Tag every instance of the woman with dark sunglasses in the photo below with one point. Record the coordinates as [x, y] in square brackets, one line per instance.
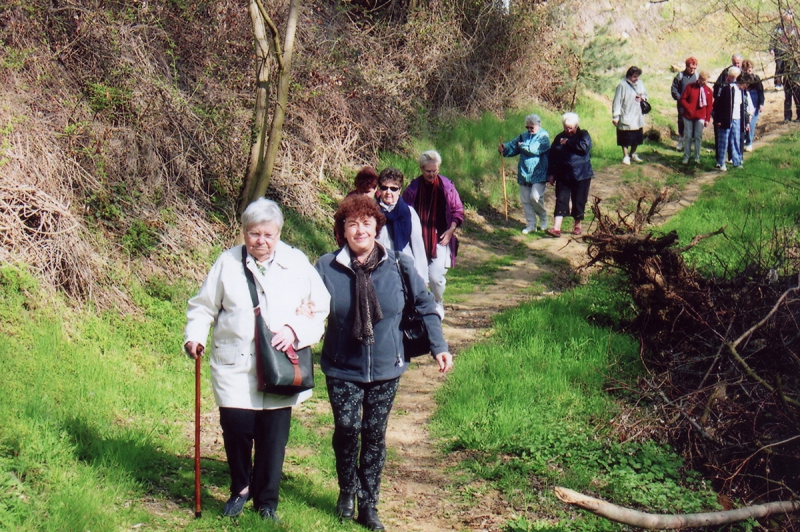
[403, 230]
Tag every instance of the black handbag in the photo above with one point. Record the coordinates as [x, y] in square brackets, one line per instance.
[279, 372]
[646, 107]
[415, 333]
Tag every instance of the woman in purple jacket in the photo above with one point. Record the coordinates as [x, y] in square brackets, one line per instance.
[440, 210]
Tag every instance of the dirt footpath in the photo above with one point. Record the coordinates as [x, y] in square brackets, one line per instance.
[415, 493]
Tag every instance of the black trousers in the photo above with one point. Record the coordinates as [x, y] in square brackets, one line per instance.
[269, 430]
[791, 91]
[568, 189]
[361, 409]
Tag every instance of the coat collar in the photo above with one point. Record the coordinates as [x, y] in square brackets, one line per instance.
[281, 258]
[345, 258]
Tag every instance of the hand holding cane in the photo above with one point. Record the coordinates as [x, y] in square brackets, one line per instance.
[503, 176]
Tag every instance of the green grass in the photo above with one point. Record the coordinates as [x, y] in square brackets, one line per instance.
[759, 207]
[82, 411]
[96, 409]
[532, 408]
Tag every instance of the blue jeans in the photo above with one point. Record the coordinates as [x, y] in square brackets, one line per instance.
[751, 135]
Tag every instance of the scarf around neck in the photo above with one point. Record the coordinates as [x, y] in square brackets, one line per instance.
[367, 306]
[431, 205]
[398, 223]
[701, 100]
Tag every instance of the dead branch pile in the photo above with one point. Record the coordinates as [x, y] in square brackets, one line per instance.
[723, 353]
[36, 229]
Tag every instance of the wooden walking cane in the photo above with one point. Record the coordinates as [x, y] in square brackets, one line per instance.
[197, 507]
[503, 175]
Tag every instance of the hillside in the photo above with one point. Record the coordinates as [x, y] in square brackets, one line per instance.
[125, 130]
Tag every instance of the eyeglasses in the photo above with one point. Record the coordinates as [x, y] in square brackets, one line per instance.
[259, 236]
[384, 188]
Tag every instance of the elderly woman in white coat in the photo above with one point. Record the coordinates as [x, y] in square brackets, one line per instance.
[626, 114]
[294, 303]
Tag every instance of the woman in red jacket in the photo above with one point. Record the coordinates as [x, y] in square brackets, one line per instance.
[695, 104]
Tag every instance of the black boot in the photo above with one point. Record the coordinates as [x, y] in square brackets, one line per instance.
[368, 517]
[346, 504]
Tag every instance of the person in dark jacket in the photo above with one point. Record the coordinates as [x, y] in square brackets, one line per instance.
[731, 116]
[679, 84]
[736, 62]
[570, 169]
[755, 89]
[781, 45]
[362, 354]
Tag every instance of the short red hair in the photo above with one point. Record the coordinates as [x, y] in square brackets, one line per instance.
[691, 61]
[357, 207]
[366, 180]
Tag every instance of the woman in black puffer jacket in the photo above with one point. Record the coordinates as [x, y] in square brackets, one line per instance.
[570, 169]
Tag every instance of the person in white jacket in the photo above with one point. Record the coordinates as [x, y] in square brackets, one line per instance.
[403, 229]
[626, 114]
[294, 303]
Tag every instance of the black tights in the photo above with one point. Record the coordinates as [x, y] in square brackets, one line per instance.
[361, 473]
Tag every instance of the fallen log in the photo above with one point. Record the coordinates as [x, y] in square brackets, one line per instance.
[665, 522]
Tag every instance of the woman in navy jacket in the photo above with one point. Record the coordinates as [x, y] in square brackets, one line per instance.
[362, 355]
[570, 169]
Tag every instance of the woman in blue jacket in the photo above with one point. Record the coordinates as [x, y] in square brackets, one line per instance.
[362, 355]
[531, 147]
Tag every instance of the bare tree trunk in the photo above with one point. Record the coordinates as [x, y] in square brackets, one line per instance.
[661, 522]
[263, 166]
[260, 114]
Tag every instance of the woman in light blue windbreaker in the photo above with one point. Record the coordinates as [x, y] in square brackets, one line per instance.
[531, 147]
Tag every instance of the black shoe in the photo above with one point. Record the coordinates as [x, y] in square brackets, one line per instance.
[346, 504]
[268, 514]
[235, 505]
[368, 518]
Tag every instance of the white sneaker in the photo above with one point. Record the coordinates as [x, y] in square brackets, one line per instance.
[626, 160]
[528, 229]
[749, 147]
[685, 160]
[679, 147]
[635, 158]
